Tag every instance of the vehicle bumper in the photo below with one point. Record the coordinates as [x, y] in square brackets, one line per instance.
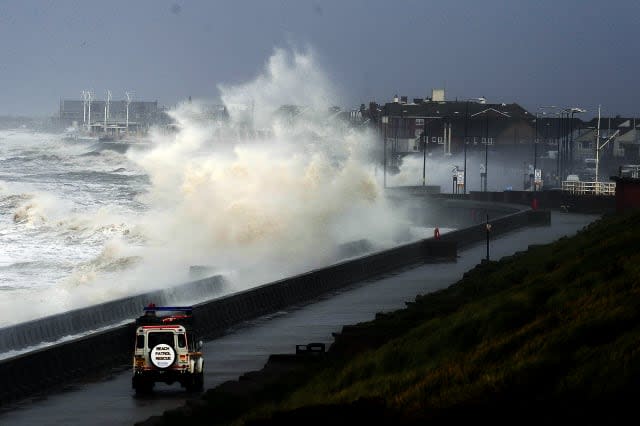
[167, 376]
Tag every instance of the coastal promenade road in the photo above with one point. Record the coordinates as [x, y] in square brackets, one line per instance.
[111, 401]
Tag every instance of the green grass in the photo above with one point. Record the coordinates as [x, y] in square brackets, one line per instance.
[554, 330]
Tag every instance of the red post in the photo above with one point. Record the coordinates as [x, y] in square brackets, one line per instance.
[534, 204]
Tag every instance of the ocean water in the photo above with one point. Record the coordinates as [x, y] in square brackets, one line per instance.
[61, 203]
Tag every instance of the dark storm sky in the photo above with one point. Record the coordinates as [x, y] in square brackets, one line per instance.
[562, 52]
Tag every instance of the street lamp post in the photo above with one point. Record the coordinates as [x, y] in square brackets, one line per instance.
[486, 154]
[570, 142]
[425, 136]
[598, 146]
[559, 135]
[466, 135]
[535, 155]
[394, 150]
[424, 155]
[565, 155]
[573, 111]
[385, 122]
[466, 122]
[394, 145]
[563, 148]
[488, 232]
[485, 170]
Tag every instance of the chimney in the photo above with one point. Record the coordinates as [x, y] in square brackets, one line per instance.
[395, 99]
[437, 95]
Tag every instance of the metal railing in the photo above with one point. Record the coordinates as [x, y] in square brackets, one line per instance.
[597, 188]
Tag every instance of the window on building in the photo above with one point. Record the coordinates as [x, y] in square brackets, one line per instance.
[419, 121]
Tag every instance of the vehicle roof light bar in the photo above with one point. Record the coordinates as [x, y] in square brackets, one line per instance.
[168, 308]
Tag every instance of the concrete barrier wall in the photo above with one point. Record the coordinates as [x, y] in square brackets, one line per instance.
[438, 210]
[501, 225]
[587, 203]
[36, 371]
[78, 321]
[465, 213]
[55, 365]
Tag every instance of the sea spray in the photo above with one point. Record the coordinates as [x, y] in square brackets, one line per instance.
[265, 206]
[270, 191]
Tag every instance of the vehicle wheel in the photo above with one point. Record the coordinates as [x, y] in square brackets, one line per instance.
[199, 381]
[196, 383]
[142, 386]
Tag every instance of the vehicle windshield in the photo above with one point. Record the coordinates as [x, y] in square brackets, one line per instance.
[159, 337]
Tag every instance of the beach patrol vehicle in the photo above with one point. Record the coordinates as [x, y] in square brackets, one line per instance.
[166, 349]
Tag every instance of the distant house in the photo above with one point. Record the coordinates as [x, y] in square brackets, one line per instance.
[444, 127]
[626, 145]
[624, 135]
[619, 145]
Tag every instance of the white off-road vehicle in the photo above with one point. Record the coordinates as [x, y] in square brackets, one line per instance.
[166, 350]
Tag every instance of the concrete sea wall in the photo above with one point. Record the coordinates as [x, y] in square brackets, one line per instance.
[78, 321]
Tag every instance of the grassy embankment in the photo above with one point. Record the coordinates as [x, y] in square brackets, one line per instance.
[551, 335]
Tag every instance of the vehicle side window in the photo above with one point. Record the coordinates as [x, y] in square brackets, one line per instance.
[182, 341]
[140, 341]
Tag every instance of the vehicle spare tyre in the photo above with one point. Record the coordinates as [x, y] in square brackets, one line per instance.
[162, 355]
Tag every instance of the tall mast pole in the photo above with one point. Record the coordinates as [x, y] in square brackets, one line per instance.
[84, 107]
[89, 98]
[128, 102]
[598, 145]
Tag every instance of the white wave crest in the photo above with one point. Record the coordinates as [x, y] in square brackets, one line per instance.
[278, 203]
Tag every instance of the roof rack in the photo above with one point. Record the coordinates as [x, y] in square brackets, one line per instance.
[182, 315]
[154, 308]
